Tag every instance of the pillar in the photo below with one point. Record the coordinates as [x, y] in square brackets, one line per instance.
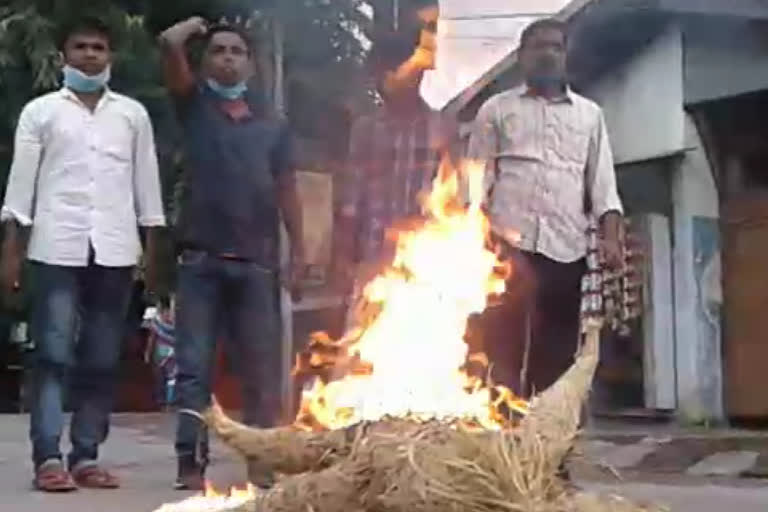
[698, 287]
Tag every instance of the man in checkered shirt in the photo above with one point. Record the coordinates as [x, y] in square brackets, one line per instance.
[393, 154]
[549, 173]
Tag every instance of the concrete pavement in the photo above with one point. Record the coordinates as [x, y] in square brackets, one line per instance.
[140, 450]
[694, 498]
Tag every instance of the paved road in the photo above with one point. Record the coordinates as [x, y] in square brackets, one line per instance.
[695, 498]
[140, 451]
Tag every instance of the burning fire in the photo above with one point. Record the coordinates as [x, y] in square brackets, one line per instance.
[406, 358]
[212, 500]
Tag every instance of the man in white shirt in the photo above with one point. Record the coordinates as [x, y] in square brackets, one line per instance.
[84, 178]
[550, 171]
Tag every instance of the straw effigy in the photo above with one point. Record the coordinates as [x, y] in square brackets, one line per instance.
[404, 466]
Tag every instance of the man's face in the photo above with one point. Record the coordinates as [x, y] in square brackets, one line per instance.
[428, 13]
[227, 59]
[543, 58]
[88, 51]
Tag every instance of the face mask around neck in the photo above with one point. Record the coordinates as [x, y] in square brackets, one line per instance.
[78, 81]
[233, 92]
[544, 82]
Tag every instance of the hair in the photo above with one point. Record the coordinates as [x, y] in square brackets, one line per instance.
[84, 25]
[232, 29]
[389, 50]
[543, 24]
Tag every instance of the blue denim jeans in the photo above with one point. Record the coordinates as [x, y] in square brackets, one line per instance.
[237, 300]
[78, 325]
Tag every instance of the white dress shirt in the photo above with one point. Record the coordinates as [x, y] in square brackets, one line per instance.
[545, 156]
[83, 178]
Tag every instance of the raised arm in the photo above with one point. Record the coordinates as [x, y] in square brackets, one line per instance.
[179, 77]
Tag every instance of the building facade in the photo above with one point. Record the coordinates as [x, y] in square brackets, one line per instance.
[684, 88]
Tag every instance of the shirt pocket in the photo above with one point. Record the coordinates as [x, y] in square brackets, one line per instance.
[115, 146]
[571, 140]
[117, 153]
[518, 137]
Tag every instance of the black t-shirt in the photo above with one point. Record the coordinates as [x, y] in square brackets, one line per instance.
[230, 199]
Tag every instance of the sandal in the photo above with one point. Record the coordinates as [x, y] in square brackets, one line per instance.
[92, 476]
[52, 477]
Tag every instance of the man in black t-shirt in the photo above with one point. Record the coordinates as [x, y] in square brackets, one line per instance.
[239, 179]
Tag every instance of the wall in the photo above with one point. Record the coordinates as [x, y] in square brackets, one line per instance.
[643, 99]
[724, 57]
[645, 186]
[643, 103]
[698, 289]
[473, 36]
[658, 313]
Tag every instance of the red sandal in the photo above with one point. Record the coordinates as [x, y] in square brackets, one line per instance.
[52, 477]
[92, 476]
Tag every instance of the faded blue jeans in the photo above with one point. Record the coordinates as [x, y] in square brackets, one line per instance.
[78, 325]
[235, 299]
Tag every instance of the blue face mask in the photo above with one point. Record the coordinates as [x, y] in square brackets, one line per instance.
[232, 92]
[78, 81]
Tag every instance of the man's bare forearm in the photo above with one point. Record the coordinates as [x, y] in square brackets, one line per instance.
[408, 74]
[151, 236]
[610, 225]
[15, 239]
[151, 263]
[179, 77]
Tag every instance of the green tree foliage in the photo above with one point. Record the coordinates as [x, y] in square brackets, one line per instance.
[323, 57]
[323, 54]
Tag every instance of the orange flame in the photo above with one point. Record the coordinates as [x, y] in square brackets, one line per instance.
[407, 358]
[213, 501]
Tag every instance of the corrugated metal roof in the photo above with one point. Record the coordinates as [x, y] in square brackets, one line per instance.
[476, 35]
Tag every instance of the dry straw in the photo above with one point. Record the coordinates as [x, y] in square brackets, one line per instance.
[401, 466]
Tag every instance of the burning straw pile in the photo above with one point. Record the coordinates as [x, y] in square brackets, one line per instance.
[392, 421]
[406, 466]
